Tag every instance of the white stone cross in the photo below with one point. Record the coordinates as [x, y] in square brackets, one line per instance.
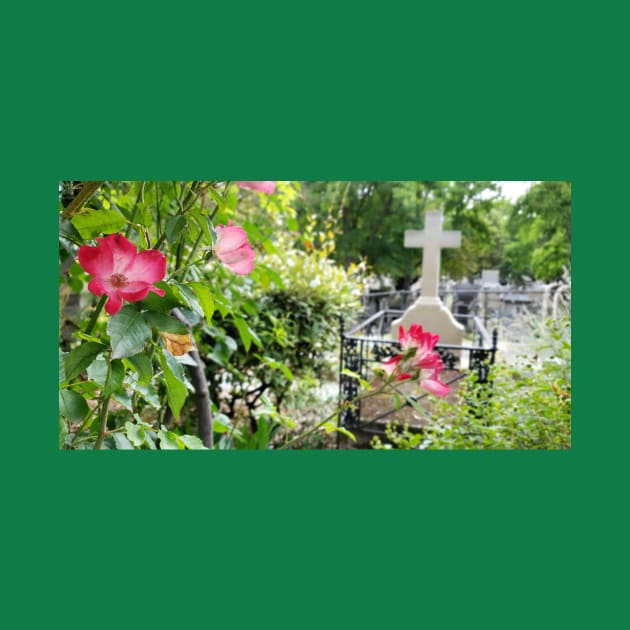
[432, 240]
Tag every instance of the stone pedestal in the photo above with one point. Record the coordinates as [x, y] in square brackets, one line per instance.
[433, 316]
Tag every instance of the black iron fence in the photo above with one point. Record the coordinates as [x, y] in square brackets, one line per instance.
[367, 345]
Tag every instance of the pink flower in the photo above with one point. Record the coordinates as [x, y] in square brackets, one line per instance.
[233, 249]
[417, 338]
[263, 187]
[120, 272]
[417, 360]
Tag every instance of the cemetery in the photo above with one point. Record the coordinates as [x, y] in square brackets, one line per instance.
[313, 315]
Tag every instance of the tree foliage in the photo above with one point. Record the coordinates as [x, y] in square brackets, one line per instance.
[540, 227]
[368, 220]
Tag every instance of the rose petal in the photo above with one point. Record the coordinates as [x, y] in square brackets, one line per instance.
[123, 250]
[433, 385]
[98, 261]
[241, 264]
[391, 364]
[263, 187]
[134, 295]
[114, 303]
[148, 266]
[229, 237]
[429, 361]
[97, 286]
[233, 249]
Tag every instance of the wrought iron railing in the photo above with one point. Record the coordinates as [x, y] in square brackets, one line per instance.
[367, 345]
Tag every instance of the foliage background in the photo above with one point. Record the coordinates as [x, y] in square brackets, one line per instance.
[447, 539]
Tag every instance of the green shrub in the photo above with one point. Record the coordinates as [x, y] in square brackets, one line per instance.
[526, 406]
[293, 312]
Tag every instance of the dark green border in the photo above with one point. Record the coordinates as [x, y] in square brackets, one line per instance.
[364, 539]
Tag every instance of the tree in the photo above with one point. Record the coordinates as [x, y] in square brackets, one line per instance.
[540, 225]
[368, 220]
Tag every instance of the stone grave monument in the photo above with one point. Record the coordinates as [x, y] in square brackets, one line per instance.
[429, 311]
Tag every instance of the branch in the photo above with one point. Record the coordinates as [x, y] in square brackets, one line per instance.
[202, 392]
[87, 190]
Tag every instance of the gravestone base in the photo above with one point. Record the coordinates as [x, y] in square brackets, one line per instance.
[434, 317]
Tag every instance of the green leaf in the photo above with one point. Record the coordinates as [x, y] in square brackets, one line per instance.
[364, 384]
[176, 391]
[221, 423]
[187, 295]
[278, 366]
[329, 427]
[128, 332]
[122, 443]
[265, 275]
[97, 371]
[174, 228]
[154, 302]
[148, 392]
[204, 295]
[165, 323]
[270, 248]
[115, 378]
[192, 442]
[169, 441]
[205, 225]
[96, 222]
[220, 353]
[143, 366]
[176, 367]
[63, 432]
[144, 216]
[123, 397]
[223, 306]
[62, 366]
[398, 403]
[250, 306]
[135, 433]
[421, 410]
[217, 197]
[252, 231]
[80, 358]
[243, 331]
[72, 405]
[263, 434]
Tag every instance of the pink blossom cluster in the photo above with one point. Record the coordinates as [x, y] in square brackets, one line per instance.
[417, 360]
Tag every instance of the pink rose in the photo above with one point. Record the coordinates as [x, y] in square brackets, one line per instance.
[233, 249]
[418, 360]
[120, 272]
[263, 187]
